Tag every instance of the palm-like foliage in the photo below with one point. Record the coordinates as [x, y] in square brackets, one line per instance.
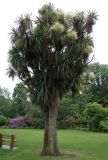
[50, 53]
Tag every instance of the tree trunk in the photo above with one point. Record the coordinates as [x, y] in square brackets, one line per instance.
[50, 147]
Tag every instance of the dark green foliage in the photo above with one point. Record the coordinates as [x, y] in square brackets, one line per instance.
[104, 125]
[73, 107]
[21, 102]
[5, 102]
[3, 120]
[50, 54]
[98, 86]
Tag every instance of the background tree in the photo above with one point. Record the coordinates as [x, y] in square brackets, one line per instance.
[98, 86]
[5, 102]
[49, 54]
[21, 100]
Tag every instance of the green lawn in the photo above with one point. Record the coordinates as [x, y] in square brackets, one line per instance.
[84, 145]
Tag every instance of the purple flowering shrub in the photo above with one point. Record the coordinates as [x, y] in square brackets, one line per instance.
[17, 122]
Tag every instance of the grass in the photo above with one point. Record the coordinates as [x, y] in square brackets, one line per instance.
[84, 145]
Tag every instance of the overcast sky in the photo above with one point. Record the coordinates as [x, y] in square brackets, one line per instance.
[10, 10]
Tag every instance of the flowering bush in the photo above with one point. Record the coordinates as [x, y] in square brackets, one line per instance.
[17, 122]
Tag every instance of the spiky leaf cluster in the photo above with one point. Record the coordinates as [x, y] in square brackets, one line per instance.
[51, 52]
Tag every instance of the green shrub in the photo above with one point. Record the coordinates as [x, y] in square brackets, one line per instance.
[3, 120]
[81, 121]
[104, 126]
[95, 113]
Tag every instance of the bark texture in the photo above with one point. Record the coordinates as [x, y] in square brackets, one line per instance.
[50, 147]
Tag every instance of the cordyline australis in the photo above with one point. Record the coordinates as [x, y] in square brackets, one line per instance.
[49, 54]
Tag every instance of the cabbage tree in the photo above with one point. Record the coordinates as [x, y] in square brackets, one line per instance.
[49, 54]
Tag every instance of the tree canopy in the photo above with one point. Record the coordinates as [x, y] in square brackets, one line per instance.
[50, 53]
[98, 86]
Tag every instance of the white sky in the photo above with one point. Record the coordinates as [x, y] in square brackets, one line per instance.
[11, 9]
